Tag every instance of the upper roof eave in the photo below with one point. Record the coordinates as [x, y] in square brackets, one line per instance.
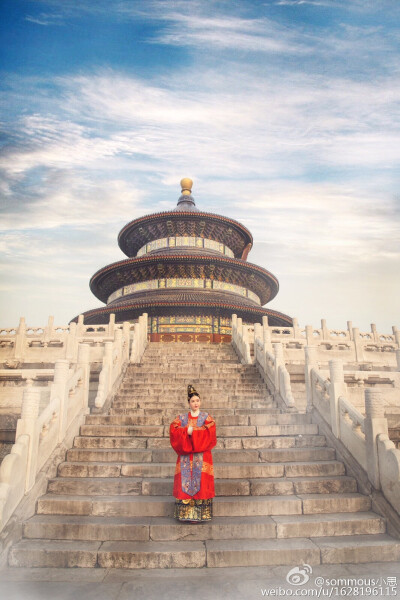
[178, 215]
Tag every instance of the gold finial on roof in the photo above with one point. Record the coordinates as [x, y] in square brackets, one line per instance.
[186, 185]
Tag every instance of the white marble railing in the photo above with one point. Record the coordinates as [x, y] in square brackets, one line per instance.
[116, 356]
[268, 358]
[348, 344]
[47, 344]
[240, 340]
[270, 362]
[40, 432]
[365, 437]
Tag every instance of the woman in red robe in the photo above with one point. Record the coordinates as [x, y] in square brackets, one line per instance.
[193, 435]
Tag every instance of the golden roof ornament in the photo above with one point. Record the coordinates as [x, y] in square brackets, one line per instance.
[186, 185]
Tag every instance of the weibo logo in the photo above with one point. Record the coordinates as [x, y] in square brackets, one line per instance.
[298, 575]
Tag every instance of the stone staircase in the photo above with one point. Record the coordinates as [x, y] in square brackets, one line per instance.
[282, 497]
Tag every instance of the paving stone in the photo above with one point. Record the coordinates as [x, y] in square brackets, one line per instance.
[241, 553]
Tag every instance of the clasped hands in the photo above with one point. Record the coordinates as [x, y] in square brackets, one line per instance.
[190, 429]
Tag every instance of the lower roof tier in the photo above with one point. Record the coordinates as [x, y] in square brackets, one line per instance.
[113, 277]
[130, 311]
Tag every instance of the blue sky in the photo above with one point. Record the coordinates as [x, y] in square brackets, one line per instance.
[285, 113]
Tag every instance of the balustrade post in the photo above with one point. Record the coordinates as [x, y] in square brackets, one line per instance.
[374, 332]
[258, 332]
[20, 340]
[119, 344]
[246, 345]
[337, 388]
[310, 363]
[325, 330]
[108, 363]
[111, 325]
[240, 326]
[279, 361]
[80, 329]
[59, 390]
[70, 342]
[374, 424]
[398, 359]
[126, 329]
[49, 329]
[396, 333]
[296, 328]
[135, 343]
[27, 424]
[267, 335]
[350, 329]
[358, 348]
[84, 362]
[309, 334]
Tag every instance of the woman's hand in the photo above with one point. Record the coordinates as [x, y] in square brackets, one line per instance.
[190, 429]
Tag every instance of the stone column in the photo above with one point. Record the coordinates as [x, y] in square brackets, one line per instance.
[374, 424]
[337, 388]
[398, 359]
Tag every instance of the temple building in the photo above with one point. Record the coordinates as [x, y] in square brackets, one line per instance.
[188, 270]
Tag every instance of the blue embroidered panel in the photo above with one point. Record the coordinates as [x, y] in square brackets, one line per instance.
[191, 480]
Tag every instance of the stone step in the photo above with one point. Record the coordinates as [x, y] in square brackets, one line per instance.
[223, 487]
[159, 420]
[209, 407]
[223, 506]
[125, 408]
[166, 529]
[158, 431]
[268, 419]
[198, 554]
[231, 442]
[221, 470]
[346, 549]
[133, 455]
[136, 555]
[143, 412]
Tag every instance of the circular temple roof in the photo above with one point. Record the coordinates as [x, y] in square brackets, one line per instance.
[193, 223]
[134, 309]
[116, 275]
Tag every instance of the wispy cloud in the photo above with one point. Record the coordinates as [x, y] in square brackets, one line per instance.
[289, 128]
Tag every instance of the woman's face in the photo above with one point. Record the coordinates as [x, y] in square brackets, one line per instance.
[194, 403]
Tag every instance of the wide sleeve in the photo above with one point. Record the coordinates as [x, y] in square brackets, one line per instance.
[205, 437]
[179, 438]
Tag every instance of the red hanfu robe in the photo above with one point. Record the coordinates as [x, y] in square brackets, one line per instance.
[196, 450]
